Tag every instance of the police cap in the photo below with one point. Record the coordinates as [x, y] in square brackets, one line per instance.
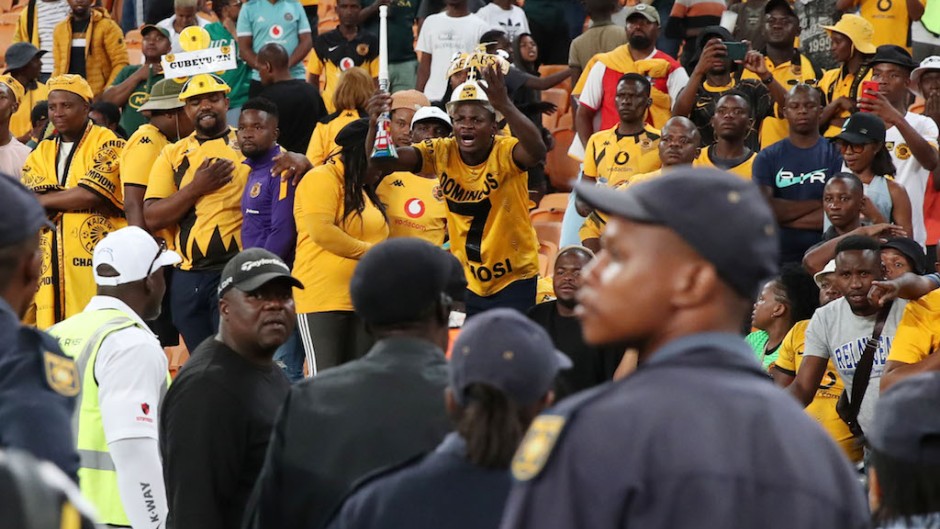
[724, 218]
[21, 215]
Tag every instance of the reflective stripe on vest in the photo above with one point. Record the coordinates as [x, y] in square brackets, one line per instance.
[80, 338]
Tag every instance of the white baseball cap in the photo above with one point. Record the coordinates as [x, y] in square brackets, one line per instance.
[930, 63]
[829, 269]
[133, 253]
[431, 112]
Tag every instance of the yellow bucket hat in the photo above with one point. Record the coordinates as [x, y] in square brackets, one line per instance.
[71, 83]
[204, 83]
[14, 85]
[858, 30]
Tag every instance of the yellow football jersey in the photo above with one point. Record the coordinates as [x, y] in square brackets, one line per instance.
[415, 207]
[891, 21]
[330, 245]
[836, 83]
[487, 213]
[66, 283]
[743, 169]
[20, 122]
[823, 407]
[612, 159]
[544, 290]
[210, 233]
[595, 223]
[918, 334]
[140, 153]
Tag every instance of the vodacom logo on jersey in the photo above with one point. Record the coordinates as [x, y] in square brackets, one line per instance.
[414, 208]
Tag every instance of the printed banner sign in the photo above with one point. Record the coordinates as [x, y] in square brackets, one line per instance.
[189, 63]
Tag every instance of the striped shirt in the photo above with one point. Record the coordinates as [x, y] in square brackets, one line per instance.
[48, 14]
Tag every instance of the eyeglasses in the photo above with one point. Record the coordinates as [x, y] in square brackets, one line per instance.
[161, 247]
[853, 148]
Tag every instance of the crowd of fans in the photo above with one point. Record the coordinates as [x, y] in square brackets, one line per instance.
[242, 217]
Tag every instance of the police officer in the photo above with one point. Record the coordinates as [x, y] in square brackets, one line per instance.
[38, 383]
[37, 495]
[501, 377]
[696, 436]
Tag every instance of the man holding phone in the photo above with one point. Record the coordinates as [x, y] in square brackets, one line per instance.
[718, 72]
[910, 138]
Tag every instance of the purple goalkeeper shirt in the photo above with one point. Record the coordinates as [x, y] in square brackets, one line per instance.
[268, 209]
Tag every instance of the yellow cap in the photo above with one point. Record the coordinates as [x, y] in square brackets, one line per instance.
[204, 83]
[71, 83]
[14, 85]
[858, 30]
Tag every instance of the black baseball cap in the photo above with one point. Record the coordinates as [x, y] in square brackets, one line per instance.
[251, 269]
[862, 127]
[353, 133]
[504, 349]
[19, 54]
[906, 424]
[21, 215]
[724, 218]
[399, 280]
[910, 249]
[784, 4]
[893, 54]
[707, 34]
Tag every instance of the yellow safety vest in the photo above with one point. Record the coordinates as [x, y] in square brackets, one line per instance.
[80, 338]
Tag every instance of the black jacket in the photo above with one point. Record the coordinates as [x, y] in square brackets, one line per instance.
[346, 423]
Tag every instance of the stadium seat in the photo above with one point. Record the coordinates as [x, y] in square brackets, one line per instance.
[549, 69]
[557, 96]
[565, 121]
[551, 208]
[554, 200]
[133, 38]
[544, 267]
[548, 232]
[7, 29]
[547, 250]
[560, 167]
[177, 356]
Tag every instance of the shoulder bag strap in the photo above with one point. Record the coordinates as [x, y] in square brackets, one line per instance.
[863, 370]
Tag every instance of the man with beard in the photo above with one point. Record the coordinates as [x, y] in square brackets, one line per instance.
[591, 365]
[679, 145]
[219, 412]
[731, 123]
[785, 62]
[793, 172]
[597, 87]
[716, 74]
[841, 330]
[683, 257]
[195, 189]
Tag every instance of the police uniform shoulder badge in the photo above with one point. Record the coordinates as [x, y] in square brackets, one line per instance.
[61, 374]
[537, 446]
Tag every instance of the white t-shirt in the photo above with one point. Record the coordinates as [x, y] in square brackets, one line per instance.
[12, 157]
[836, 332]
[909, 172]
[131, 369]
[513, 20]
[65, 149]
[167, 23]
[48, 15]
[442, 36]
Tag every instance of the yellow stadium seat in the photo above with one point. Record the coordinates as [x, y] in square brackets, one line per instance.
[548, 232]
[561, 168]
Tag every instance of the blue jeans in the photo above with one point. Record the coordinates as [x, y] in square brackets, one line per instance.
[290, 357]
[519, 295]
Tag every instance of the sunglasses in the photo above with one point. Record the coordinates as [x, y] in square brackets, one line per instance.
[161, 247]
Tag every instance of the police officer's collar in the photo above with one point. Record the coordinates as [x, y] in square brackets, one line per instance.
[453, 444]
[731, 343]
[6, 311]
[403, 349]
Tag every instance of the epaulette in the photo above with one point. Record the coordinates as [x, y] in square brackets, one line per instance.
[545, 431]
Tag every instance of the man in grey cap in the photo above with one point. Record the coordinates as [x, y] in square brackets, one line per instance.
[379, 410]
[219, 412]
[905, 454]
[38, 383]
[683, 441]
[24, 63]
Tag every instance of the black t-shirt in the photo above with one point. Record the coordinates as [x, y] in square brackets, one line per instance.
[592, 365]
[214, 430]
[300, 107]
[756, 93]
[77, 53]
